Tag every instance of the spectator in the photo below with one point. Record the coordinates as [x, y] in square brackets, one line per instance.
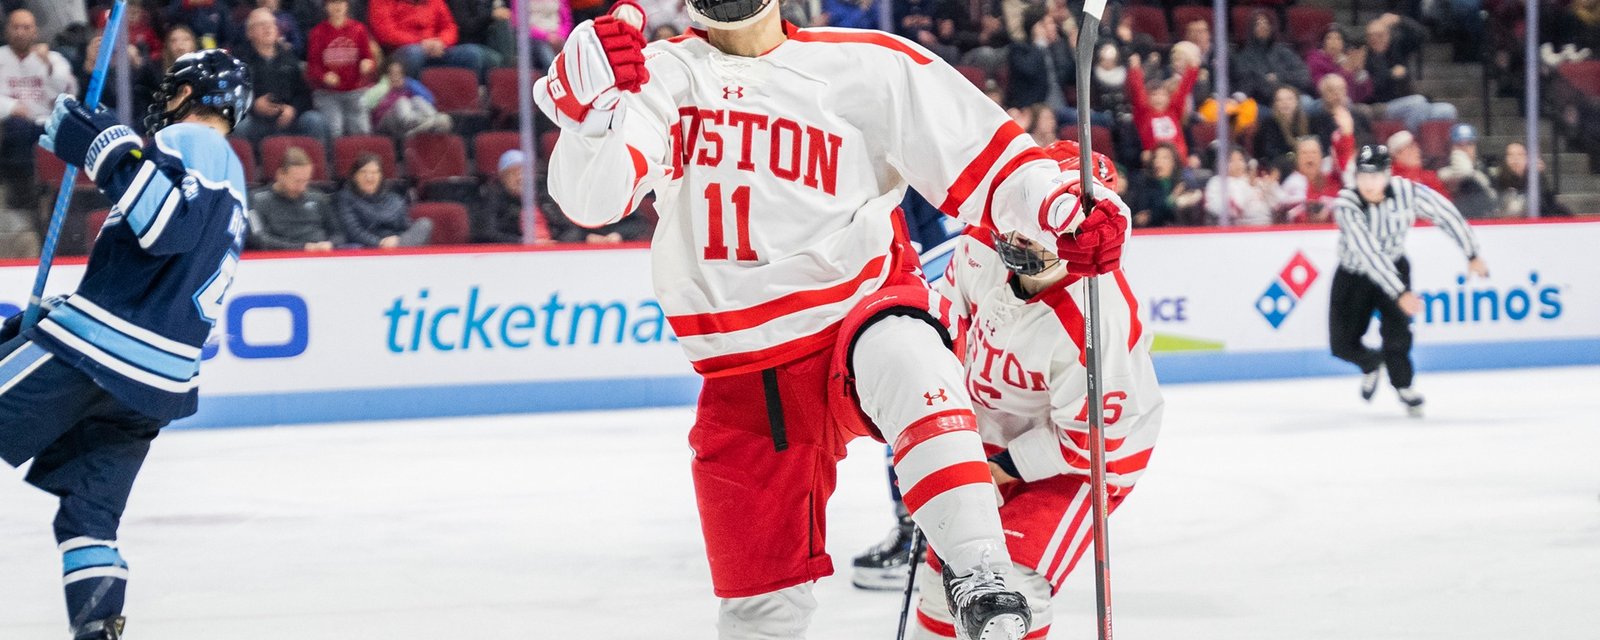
[1339, 126]
[31, 76]
[422, 33]
[549, 23]
[853, 14]
[1132, 42]
[632, 228]
[1248, 197]
[1511, 180]
[1198, 34]
[375, 218]
[341, 66]
[1240, 108]
[1158, 109]
[1275, 137]
[1579, 27]
[209, 20]
[1336, 58]
[147, 80]
[283, 97]
[1264, 62]
[984, 46]
[1160, 194]
[664, 32]
[288, 216]
[666, 13]
[288, 28]
[1040, 66]
[1467, 177]
[497, 216]
[401, 106]
[1043, 127]
[1309, 192]
[1407, 156]
[137, 61]
[1391, 78]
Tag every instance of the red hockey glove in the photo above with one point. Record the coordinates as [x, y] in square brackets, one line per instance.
[624, 45]
[1096, 247]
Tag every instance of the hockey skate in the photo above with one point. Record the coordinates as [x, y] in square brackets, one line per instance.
[885, 567]
[984, 609]
[1369, 383]
[1412, 400]
[107, 629]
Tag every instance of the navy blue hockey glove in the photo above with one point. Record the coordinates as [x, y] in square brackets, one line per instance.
[94, 141]
[13, 325]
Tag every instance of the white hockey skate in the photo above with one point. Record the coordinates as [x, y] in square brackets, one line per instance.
[1369, 383]
[1412, 400]
[984, 608]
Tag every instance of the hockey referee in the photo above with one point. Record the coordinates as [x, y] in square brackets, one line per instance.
[1374, 274]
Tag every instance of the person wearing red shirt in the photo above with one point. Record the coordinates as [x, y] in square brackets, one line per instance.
[1157, 111]
[422, 33]
[1309, 192]
[1408, 162]
[340, 62]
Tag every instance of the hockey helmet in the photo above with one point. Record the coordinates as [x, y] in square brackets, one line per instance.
[1022, 256]
[1067, 154]
[1373, 158]
[216, 80]
[729, 14]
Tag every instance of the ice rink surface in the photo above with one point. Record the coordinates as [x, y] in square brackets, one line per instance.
[1275, 510]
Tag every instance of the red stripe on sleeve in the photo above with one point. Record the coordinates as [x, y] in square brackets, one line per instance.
[973, 175]
[1071, 318]
[1133, 310]
[1030, 154]
[951, 477]
[851, 37]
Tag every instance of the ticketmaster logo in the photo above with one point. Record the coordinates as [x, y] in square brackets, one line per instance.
[421, 323]
[1286, 291]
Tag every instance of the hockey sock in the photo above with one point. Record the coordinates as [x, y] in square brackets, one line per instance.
[912, 388]
[95, 579]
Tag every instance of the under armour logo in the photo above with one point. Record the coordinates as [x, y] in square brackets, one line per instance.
[732, 91]
[940, 396]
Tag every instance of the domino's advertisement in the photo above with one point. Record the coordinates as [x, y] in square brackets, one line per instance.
[417, 334]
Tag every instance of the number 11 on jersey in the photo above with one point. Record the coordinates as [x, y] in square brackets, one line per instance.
[716, 246]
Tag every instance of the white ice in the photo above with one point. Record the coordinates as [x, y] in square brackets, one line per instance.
[1275, 510]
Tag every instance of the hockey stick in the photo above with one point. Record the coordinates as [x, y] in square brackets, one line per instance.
[911, 582]
[1087, 33]
[91, 100]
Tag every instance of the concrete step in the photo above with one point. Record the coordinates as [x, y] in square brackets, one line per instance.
[1581, 203]
[1472, 110]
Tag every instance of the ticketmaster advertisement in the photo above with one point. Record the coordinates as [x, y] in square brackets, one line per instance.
[373, 336]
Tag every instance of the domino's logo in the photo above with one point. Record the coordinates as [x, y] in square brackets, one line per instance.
[1285, 292]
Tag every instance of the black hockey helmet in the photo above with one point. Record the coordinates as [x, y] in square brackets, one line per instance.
[1373, 158]
[216, 81]
[729, 14]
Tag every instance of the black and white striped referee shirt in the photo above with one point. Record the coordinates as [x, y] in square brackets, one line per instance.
[1373, 236]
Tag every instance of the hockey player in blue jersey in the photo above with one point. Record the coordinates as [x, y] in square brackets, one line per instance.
[84, 392]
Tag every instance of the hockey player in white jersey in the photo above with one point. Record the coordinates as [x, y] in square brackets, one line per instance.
[777, 156]
[1022, 309]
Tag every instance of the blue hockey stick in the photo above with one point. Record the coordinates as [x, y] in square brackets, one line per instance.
[91, 100]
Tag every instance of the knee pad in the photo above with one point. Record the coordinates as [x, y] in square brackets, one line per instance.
[781, 615]
[914, 301]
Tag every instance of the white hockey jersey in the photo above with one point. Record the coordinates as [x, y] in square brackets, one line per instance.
[1026, 373]
[776, 176]
[29, 81]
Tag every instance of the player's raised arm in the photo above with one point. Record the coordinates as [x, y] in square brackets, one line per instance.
[984, 169]
[615, 129]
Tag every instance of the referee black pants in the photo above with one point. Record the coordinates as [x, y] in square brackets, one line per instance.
[1355, 298]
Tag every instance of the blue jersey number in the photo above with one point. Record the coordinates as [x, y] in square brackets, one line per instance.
[209, 299]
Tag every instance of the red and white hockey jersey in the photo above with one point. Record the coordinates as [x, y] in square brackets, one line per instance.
[1026, 373]
[775, 178]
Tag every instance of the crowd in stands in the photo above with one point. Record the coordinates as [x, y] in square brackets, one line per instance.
[333, 75]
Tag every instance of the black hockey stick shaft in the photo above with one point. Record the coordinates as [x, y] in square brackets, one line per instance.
[911, 582]
[1087, 34]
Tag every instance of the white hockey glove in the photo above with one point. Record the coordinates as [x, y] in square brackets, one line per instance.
[604, 57]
